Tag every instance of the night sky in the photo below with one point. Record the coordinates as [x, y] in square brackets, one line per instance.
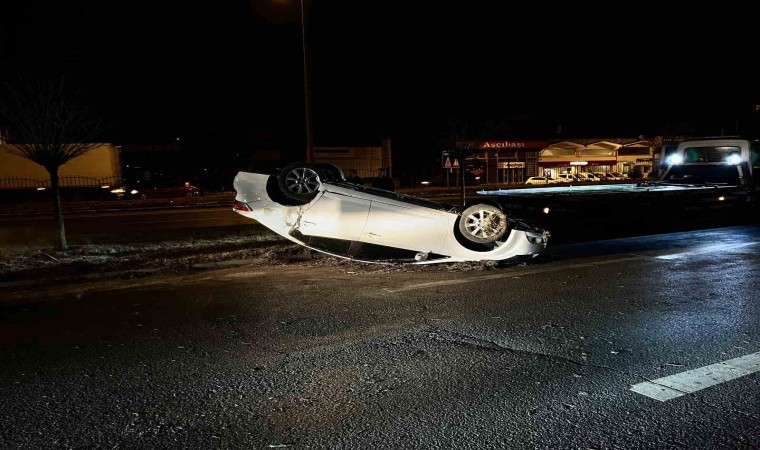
[230, 73]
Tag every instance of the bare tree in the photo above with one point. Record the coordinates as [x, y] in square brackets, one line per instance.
[49, 128]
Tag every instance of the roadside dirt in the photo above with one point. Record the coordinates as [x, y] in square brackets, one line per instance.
[245, 246]
[164, 253]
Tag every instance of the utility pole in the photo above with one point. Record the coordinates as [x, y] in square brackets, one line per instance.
[306, 88]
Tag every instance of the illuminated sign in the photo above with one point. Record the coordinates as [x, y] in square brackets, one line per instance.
[503, 145]
[512, 145]
[578, 163]
[510, 165]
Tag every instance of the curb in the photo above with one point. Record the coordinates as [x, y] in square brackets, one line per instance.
[49, 212]
[75, 278]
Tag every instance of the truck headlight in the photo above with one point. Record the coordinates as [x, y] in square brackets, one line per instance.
[675, 159]
[733, 158]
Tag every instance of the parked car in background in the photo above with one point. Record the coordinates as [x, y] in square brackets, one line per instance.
[619, 176]
[567, 178]
[602, 176]
[587, 176]
[313, 205]
[542, 180]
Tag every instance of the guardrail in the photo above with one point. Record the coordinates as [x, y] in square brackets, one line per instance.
[67, 181]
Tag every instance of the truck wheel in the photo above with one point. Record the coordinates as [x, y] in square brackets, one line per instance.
[483, 224]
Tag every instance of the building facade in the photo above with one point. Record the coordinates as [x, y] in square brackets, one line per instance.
[514, 161]
[621, 155]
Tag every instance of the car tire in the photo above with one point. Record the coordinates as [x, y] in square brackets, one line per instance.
[483, 223]
[300, 182]
[330, 172]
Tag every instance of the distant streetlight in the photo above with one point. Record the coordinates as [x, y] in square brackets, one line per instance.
[306, 89]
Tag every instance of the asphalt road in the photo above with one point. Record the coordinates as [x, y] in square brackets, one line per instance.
[308, 355]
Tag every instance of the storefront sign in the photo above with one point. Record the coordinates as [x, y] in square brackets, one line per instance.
[503, 145]
[510, 165]
[578, 163]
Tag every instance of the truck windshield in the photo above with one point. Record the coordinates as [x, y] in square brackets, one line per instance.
[700, 174]
[709, 154]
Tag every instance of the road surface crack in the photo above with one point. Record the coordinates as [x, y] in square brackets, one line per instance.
[472, 341]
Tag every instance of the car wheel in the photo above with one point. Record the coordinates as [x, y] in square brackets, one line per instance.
[483, 223]
[331, 172]
[300, 182]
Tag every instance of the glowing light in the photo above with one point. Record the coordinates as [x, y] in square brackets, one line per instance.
[547, 210]
[40, 188]
[733, 158]
[721, 198]
[675, 159]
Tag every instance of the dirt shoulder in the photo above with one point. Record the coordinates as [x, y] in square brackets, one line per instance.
[34, 273]
[180, 252]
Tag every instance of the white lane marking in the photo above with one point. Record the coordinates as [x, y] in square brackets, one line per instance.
[513, 274]
[680, 384]
[708, 249]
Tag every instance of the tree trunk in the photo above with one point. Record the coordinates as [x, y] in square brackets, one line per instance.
[60, 235]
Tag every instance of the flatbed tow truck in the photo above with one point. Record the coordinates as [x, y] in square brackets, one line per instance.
[708, 182]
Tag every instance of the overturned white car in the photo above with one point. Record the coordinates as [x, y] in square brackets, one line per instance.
[313, 205]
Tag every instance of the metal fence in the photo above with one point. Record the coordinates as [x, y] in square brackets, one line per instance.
[69, 181]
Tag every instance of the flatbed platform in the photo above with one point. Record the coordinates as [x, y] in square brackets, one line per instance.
[625, 189]
[610, 210]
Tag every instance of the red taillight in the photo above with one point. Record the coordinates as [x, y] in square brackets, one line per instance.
[240, 206]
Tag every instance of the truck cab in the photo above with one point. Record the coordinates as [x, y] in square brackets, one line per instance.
[731, 161]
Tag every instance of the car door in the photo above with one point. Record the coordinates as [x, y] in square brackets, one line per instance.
[334, 215]
[402, 225]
